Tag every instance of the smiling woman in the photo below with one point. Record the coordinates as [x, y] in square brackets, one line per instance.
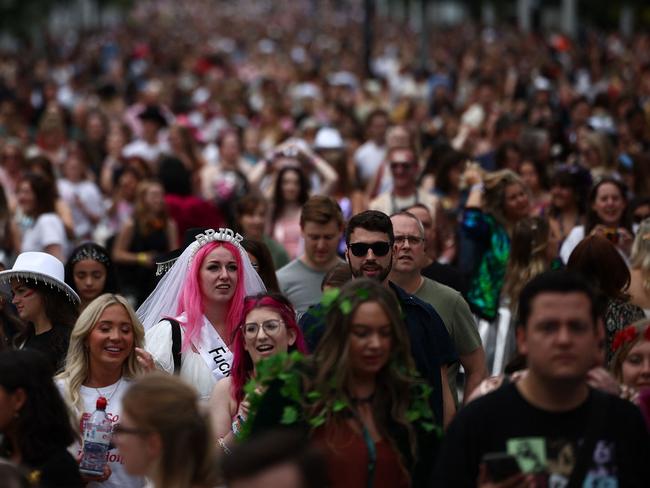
[357, 393]
[191, 315]
[105, 355]
[269, 327]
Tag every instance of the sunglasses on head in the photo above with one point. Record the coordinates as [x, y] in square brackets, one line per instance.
[360, 249]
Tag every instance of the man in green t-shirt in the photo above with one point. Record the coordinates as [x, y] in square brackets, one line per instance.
[409, 259]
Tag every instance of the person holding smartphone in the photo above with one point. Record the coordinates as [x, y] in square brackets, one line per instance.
[561, 431]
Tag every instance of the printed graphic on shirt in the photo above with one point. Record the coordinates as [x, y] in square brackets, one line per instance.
[553, 460]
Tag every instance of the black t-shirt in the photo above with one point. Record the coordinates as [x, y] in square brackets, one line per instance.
[546, 442]
[53, 343]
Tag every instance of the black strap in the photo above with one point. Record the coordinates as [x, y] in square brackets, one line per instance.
[600, 407]
[176, 345]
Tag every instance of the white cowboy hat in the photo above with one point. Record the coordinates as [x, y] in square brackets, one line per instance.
[40, 266]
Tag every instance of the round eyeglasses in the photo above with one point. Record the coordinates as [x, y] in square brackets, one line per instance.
[271, 327]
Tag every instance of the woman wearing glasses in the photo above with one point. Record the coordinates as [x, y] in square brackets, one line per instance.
[269, 328]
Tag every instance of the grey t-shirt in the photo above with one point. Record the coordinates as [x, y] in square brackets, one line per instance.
[300, 284]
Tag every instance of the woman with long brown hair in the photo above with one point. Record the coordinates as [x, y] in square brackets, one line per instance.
[357, 393]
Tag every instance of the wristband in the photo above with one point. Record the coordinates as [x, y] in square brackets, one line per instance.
[222, 445]
[236, 425]
[142, 258]
[477, 186]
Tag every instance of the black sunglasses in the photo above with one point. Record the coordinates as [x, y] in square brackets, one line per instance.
[360, 249]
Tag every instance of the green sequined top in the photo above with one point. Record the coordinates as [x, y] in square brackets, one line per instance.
[487, 280]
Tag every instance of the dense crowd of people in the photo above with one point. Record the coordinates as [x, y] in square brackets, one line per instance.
[280, 270]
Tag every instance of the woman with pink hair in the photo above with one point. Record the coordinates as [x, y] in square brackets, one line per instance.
[194, 311]
[268, 327]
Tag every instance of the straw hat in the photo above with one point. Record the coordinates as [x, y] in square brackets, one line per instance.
[40, 267]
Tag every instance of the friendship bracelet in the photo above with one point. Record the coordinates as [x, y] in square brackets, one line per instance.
[222, 445]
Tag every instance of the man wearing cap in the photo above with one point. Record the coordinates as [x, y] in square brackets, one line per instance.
[148, 146]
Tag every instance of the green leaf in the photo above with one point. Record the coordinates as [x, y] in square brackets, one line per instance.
[314, 395]
[289, 415]
[317, 421]
[339, 405]
[330, 296]
[346, 306]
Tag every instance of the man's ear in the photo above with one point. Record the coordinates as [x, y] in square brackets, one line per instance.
[347, 254]
[522, 345]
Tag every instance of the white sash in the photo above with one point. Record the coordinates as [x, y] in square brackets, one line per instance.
[213, 350]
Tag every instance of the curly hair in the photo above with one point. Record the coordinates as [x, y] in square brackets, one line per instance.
[494, 197]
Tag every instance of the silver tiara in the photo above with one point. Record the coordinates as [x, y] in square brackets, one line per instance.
[210, 235]
[92, 254]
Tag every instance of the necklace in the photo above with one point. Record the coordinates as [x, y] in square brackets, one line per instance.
[108, 399]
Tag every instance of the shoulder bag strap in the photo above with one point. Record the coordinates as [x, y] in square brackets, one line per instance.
[176, 345]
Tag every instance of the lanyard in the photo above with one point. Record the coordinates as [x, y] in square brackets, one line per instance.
[372, 456]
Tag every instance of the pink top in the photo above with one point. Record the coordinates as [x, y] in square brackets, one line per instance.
[286, 231]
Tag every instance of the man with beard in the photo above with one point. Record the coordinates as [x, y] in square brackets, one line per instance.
[369, 238]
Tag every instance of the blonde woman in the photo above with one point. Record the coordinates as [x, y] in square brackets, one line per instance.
[640, 268]
[104, 356]
[533, 247]
[164, 435]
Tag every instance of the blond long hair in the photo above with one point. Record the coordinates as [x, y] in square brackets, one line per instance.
[164, 405]
[640, 258]
[77, 363]
[494, 196]
[528, 255]
[619, 357]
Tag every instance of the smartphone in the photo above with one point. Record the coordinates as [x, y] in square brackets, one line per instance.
[500, 465]
[611, 233]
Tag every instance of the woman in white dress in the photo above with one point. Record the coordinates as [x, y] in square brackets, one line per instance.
[191, 315]
[105, 354]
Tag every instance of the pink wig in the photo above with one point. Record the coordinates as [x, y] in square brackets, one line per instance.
[242, 364]
[191, 297]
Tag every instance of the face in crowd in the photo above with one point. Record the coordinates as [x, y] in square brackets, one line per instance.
[409, 244]
[560, 339]
[218, 276]
[369, 254]
[266, 334]
[370, 339]
[321, 241]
